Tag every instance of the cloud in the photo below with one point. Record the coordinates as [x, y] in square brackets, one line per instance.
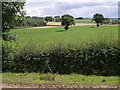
[77, 9]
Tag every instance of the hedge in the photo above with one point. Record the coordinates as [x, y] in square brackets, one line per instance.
[87, 61]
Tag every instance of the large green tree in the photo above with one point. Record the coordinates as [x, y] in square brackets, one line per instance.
[98, 18]
[12, 14]
[67, 20]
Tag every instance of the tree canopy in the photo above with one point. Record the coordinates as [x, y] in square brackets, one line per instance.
[98, 18]
[67, 20]
[48, 18]
[12, 13]
[57, 19]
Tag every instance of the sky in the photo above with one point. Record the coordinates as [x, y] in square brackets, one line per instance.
[76, 8]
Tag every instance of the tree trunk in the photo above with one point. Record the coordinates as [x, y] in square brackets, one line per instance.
[66, 27]
[98, 25]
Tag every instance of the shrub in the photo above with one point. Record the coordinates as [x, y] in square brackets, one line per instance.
[93, 58]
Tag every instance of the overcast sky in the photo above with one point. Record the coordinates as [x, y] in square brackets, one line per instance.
[77, 8]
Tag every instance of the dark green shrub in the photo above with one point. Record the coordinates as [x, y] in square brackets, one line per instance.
[94, 59]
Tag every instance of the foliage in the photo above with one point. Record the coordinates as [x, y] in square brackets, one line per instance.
[48, 19]
[98, 18]
[115, 21]
[32, 22]
[111, 21]
[67, 20]
[57, 18]
[12, 13]
[97, 59]
[106, 21]
[80, 18]
[41, 18]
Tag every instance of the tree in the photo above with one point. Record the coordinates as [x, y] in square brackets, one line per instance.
[98, 18]
[12, 14]
[48, 19]
[57, 18]
[27, 17]
[67, 20]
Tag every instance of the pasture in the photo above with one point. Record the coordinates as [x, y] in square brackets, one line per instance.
[76, 35]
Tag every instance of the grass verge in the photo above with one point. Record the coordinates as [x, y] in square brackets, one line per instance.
[38, 78]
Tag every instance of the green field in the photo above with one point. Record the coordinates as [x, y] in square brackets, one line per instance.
[46, 37]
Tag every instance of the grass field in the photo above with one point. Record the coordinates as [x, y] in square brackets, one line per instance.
[38, 78]
[46, 37]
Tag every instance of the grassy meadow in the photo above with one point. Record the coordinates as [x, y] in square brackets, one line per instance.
[47, 37]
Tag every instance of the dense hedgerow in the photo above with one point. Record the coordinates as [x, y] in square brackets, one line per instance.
[92, 60]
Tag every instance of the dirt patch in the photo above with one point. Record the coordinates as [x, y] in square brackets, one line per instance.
[56, 86]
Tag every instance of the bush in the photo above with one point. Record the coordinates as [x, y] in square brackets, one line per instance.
[97, 59]
[8, 51]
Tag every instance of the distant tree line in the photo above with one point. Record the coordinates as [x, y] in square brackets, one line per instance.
[34, 21]
[111, 21]
[50, 19]
[80, 18]
[31, 22]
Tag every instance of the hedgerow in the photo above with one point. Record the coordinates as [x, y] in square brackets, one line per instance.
[92, 60]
